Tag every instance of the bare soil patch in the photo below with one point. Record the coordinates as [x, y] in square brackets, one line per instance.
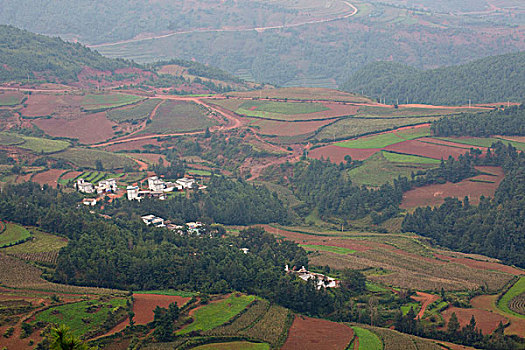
[133, 145]
[279, 128]
[482, 265]
[91, 128]
[337, 154]
[311, 333]
[424, 149]
[488, 302]
[425, 299]
[65, 106]
[71, 175]
[485, 320]
[144, 305]
[49, 177]
[435, 195]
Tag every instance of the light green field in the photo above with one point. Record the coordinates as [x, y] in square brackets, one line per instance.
[171, 292]
[95, 102]
[87, 158]
[374, 287]
[405, 158]
[517, 289]
[8, 99]
[237, 345]
[406, 308]
[41, 243]
[377, 141]
[277, 110]
[367, 339]
[13, 234]
[483, 141]
[72, 314]
[327, 248]
[34, 144]
[199, 172]
[217, 313]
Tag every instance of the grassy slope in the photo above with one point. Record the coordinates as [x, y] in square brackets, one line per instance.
[42, 242]
[12, 234]
[367, 339]
[173, 117]
[517, 289]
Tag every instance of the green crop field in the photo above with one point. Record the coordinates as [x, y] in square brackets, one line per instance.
[138, 112]
[378, 170]
[87, 158]
[237, 345]
[277, 110]
[41, 242]
[483, 141]
[99, 102]
[377, 141]
[367, 339]
[327, 248]
[517, 289]
[406, 308]
[402, 112]
[174, 117]
[13, 234]
[72, 315]
[171, 292]
[352, 127]
[34, 144]
[11, 99]
[217, 313]
[405, 158]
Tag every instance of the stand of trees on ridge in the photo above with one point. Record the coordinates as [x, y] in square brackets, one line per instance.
[492, 79]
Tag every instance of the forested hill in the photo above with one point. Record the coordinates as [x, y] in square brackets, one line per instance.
[23, 53]
[492, 79]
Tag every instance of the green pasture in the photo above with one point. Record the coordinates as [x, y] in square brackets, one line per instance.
[277, 110]
[217, 313]
[13, 234]
[41, 242]
[10, 99]
[517, 289]
[95, 102]
[406, 308]
[73, 315]
[405, 158]
[138, 112]
[86, 158]
[367, 339]
[34, 144]
[483, 141]
[327, 248]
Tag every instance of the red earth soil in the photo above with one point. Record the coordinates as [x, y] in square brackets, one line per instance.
[71, 175]
[150, 157]
[425, 299]
[481, 265]
[132, 145]
[446, 143]
[91, 128]
[434, 195]
[309, 333]
[424, 149]
[39, 105]
[485, 320]
[513, 138]
[488, 302]
[278, 128]
[49, 177]
[144, 305]
[337, 154]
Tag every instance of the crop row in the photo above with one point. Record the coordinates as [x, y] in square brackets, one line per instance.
[517, 304]
[273, 326]
[244, 320]
[41, 257]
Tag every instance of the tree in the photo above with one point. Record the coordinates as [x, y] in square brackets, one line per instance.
[61, 338]
[453, 324]
[353, 281]
[98, 165]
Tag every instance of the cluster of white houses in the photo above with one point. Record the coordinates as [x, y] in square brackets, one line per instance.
[320, 280]
[158, 188]
[104, 186]
[191, 227]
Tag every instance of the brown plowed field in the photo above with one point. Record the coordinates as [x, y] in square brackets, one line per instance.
[278, 128]
[309, 333]
[91, 128]
[485, 320]
[71, 175]
[446, 143]
[488, 302]
[65, 106]
[424, 149]
[434, 195]
[425, 299]
[337, 154]
[132, 145]
[144, 305]
[151, 158]
[482, 265]
[49, 177]
[513, 138]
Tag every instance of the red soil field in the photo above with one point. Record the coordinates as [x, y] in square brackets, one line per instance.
[425, 299]
[49, 177]
[152, 158]
[481, 265]
[92, 128]
[513, 138]
[337, 154]
[309, 333]
[446, 143]
[144, 305]
[278, 128]
[434, 195]
[424, 149]
[39, 105]
[132, 145]
[485, 320]
[488, 302]
[71, 175]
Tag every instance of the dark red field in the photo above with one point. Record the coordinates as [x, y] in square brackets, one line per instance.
[49, 177]
[279, 128]
[132, 145]
[309, 333]
[434, 195]
[485, 320]
[91, 128]
[424, 149]
[144, 305]
[337, 154]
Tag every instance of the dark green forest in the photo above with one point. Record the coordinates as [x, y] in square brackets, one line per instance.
[22, 53]
[492, 79]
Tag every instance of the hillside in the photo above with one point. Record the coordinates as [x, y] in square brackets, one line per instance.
[26, 55]
[493, 79]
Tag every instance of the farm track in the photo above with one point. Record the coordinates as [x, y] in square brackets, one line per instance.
[229, 30]
[425, 299]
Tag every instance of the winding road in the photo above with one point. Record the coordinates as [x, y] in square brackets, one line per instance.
[226, 30]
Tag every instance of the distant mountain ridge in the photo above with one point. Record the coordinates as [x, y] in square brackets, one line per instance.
[492, 79]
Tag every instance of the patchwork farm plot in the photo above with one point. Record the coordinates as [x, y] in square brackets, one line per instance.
[41, 248]
[12, 234]
[136, 112]
[301, 93]
[50, 177]
[87, 158]
[100, 102]
[316, 334]
[34, 144]
[11, 98]
[177, 116]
